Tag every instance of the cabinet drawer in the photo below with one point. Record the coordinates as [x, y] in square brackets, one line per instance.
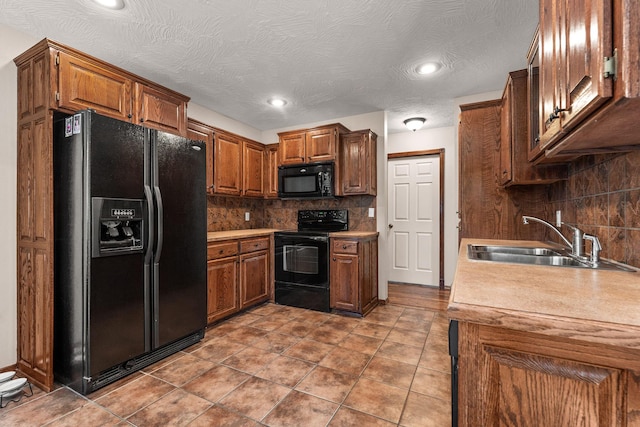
[221, 250]
[345, 246]
[252, 245]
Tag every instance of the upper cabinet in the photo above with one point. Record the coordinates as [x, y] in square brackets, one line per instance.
[310, 145]
[357, 163]
[201, 132]
[238, 165]
[271, 171]
[514, 167]
[589, 78]
[79, 81]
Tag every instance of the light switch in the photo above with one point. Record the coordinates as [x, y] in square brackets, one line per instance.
[247, 216]
[558, 218]
[372, 212]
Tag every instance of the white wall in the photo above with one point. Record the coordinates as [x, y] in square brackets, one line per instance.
[13, 44]
[431, 139]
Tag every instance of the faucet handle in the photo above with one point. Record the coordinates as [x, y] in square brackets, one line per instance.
[596, 247]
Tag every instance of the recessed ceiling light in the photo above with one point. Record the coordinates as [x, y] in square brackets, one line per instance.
[277, 102]
[428, 68]
[111, 4]
[415, 123]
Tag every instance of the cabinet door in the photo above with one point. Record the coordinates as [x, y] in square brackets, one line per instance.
[254, 278]
[506, 141]
[227, 168]
[200, 132]
[589, 39]
[320, 145]
[369, 293]
[292, 151]
[551, 69]
[344, 282]
[271, 171]
[253, 172]
[222, 288]
[82, 85]
[160, 110]
[357, 163]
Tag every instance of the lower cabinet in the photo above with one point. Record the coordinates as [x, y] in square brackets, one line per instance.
[354, 274]
[508, 377]
[238, 275]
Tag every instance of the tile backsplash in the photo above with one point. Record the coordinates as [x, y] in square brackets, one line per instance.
[602, 196]
[228, 213]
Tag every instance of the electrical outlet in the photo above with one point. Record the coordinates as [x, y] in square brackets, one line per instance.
[558, 218]
[247, 216]
[372, 212]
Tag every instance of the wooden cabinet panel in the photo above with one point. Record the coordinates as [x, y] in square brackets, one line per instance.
[252, 245]
[345, 282]
[253, 172]
[25, 181]
[320, 145]
[222, 288]
[354, 274]
[42, 181]
[201, 132]
[271, 171]
[82, 84]
[160, 110]
[222, 250]
[509, 377]
[254, 278]
[514, 167]
[227, 170]
[292, 148]
[357, 163]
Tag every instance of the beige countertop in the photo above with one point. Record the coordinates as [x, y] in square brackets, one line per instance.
[214, 236]
[599, 306]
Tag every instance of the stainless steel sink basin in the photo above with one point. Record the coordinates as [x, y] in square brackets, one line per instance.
[516, 250]
[537, 256]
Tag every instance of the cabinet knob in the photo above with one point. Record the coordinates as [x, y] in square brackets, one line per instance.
[221, 250]
[129, 115]
[141, 120]
[334, 259]
[344, 246]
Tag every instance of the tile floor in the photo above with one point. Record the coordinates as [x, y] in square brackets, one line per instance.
[277, 366]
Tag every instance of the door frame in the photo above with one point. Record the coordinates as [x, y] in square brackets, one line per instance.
[440, 153]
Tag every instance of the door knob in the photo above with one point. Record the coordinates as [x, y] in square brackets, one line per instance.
[390, 226]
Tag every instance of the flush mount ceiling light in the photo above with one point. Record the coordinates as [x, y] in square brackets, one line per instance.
[428, 68]
[415, 123]
[277, 102]
[111, 4]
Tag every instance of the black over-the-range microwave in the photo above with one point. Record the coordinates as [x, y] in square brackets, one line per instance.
[309, 181]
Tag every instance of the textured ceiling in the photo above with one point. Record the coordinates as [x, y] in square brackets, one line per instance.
[328, 58]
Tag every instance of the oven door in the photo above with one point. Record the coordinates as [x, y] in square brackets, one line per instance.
[302, 259]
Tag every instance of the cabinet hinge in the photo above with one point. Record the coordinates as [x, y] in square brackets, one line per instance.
[57, 96]
[58, 58]
[611, 65]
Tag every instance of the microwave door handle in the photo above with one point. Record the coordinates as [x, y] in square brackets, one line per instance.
[320, 182]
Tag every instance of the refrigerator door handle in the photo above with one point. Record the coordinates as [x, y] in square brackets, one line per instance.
[159, 242]
[151, 229]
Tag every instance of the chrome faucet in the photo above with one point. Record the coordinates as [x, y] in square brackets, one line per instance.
[578, 238]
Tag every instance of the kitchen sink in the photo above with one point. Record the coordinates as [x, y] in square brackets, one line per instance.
[537, 256]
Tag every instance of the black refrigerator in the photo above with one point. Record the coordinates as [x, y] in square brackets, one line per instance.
[130, 247]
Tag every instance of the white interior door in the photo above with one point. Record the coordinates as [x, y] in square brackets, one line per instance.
[414, 220]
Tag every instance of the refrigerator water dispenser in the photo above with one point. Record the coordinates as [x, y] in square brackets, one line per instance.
[117, 226]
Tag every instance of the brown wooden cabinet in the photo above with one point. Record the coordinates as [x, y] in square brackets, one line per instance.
[160, 110]
[315, 145]
[252, 169]
[222, 280]
[201, 132]
[53, 77]
[589, 90]
[354, 274]
[486, 208]
[514, 167]
[271, 171]
[254, 271]
[86, 82]
[575, 38]
[237, 165]
[358, 175]
[508, 377]
[239, 275]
